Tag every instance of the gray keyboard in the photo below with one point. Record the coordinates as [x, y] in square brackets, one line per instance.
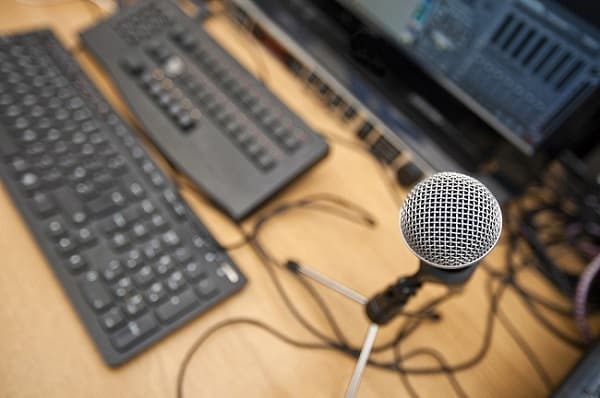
[134, 259]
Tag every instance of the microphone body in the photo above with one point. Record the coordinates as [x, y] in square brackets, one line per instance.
[450, 222]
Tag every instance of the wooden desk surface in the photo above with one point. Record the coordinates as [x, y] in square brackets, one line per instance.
[45, 351]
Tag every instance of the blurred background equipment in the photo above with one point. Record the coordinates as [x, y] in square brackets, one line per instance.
[493, 88]
[216, 123]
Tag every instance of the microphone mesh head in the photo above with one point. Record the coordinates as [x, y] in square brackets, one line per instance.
[450, 220]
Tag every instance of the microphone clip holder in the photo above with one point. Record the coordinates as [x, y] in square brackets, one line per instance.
[385, 306]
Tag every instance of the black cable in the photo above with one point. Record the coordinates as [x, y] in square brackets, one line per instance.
[524, 346]
[528, 294]
[382, 168]
[268, 262]
[481, 352]
[531, 296]
[337, 331]
[330, 344]
[438, 357]
[410, 325]
[230, 322]
[533, 310]
[268, 259]
[403, 375]
[510, 278]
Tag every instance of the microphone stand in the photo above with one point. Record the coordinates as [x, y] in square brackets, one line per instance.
[385, 306]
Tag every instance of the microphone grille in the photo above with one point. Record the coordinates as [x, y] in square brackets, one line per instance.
[450, 220]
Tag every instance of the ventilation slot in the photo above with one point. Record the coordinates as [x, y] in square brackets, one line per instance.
[519, 48]
[512, 35]
[559, 64]
[502, 28]
[545, 58]
[535, 50]
[571, 72]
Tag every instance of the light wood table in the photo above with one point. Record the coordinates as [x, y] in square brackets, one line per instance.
[46, 352]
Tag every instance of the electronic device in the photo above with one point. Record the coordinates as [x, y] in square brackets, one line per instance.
[525, 66]
[206, 113]
[133, 258]
[584, 379]
[492, 88]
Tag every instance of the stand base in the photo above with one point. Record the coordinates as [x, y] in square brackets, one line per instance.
[362, 360]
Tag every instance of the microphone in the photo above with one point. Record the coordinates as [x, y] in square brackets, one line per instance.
[450, 222]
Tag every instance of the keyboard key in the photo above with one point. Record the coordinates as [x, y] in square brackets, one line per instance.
[134, 64]
[123, 287]
[136, 189]
[76, 262]
[182, 254]
[70, 203]
[254, 149]
[101, 205]
[43, 204]
[175, 281]
[147, 206]
[134, 305]
[133, 259]
[193, 271]
[112, 270]
[156, 293]
[158, 222]
[30, 181]
[55, 228]
[119, 221]
[179, 211]
[144, 276]
[66, 245]
[152, 248]
[135, 330]
[8, 146]
[112, 319]
[171, 238]
[86, 190]
[291, 143]
[95, 292]
[120, 241]
[176, 306]
[19, 164]
[265, 161]
[164, 265]
[140, 230]
[85, 236]
[207, 288]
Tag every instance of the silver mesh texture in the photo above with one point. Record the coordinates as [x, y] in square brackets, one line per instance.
[450, 220]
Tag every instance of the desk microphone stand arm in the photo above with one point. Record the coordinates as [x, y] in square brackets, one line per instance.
[381, 309]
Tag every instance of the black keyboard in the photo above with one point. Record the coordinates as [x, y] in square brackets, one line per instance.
[209, 116]
[584, 379]
[132, 256]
